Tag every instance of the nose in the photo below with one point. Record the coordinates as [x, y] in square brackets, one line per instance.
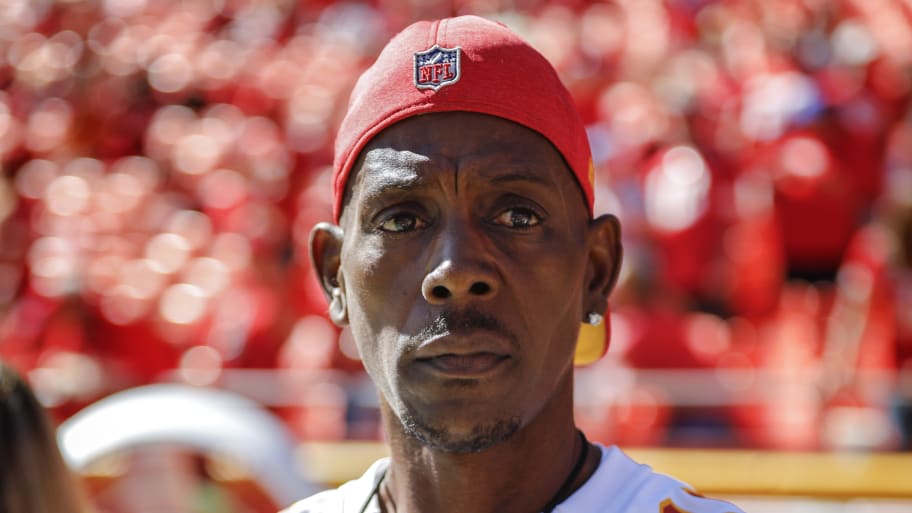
[461, 274]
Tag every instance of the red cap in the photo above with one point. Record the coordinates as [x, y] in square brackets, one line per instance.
[461, 64]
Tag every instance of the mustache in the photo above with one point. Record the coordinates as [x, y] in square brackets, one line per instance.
[468, 319]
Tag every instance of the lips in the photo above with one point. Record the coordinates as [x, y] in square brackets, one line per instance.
[465, 364]
[465, 354]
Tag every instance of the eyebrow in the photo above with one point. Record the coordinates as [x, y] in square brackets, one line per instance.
[387, 180]
[511, 178]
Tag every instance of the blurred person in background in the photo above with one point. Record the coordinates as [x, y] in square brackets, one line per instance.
[33, 475]
[468, 262]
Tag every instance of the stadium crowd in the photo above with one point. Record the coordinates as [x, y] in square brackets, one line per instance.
[163, 163]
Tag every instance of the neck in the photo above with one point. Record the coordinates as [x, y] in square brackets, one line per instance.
[520, 475]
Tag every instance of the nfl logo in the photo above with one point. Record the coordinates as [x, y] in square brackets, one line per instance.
[437, 67]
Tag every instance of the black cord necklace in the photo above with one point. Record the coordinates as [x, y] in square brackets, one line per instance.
[562, 493]
[566, 488]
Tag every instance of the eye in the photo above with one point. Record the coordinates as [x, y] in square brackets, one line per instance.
[402, 222]
[518, 217]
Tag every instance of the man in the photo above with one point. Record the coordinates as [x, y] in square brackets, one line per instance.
[465, 260]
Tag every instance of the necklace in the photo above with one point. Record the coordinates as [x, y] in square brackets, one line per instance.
[566, 488]
[562, 493]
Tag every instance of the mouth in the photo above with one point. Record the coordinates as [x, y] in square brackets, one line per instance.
[464, 365]
[465, 355]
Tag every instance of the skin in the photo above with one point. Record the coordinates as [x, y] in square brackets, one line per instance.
[464, 262]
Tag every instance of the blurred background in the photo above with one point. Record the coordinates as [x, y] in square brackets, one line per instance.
[163, 162]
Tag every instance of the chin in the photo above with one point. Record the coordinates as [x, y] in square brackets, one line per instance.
[471, 439]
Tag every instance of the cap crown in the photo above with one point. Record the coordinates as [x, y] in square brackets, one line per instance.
[461, 64]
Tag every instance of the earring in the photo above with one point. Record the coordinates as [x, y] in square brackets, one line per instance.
[593, 339]
[337, 306]
[594, 319]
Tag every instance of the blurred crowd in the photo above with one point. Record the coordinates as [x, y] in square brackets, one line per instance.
[164, 161]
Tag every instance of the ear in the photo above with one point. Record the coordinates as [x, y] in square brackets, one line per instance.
[605, 254]
[326, 257]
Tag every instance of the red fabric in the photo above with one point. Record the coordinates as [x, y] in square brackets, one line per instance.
[817, 210]
[500, 75]
[660, 339]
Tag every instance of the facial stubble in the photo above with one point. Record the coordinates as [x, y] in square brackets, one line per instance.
[480, 438]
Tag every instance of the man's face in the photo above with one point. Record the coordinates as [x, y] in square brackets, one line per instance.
[463, 273]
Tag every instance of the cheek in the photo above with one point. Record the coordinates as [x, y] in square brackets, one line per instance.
[380, 282]
[550, 292]
[555, 276]
[380, 292]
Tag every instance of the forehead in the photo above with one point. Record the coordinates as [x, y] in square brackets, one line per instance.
[486, 146]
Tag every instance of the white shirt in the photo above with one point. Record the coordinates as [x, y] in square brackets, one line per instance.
[619, 485]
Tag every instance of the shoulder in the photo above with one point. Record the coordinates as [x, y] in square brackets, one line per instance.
[662, 493]
[350, 497]
[621, 485]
